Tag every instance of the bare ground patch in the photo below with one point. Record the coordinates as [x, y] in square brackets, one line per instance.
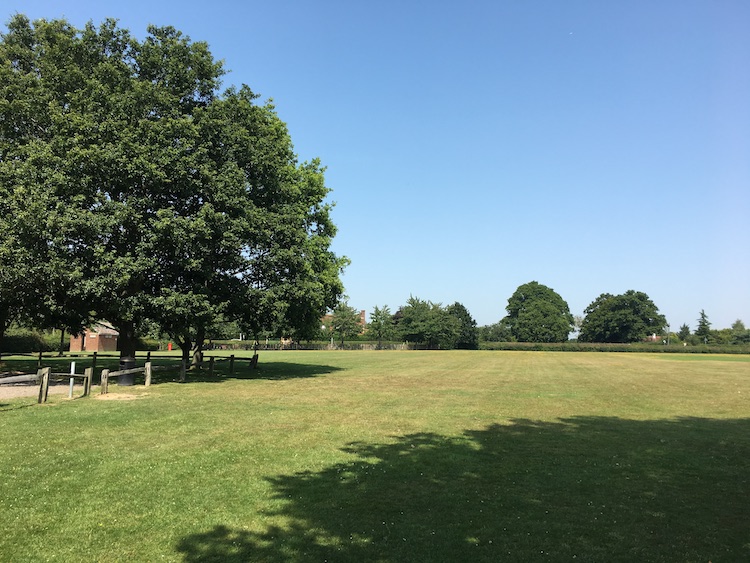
[118, 397]
[14, 391]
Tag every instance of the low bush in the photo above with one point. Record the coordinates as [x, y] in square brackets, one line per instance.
[25, 341]
[573, 346]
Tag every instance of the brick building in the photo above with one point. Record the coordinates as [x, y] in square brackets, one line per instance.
[101, 337]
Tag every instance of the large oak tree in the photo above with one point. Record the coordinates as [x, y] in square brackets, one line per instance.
[536, 313]
[629, 317]
[166, 198]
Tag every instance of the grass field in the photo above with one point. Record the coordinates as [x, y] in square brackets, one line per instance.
[390, 456]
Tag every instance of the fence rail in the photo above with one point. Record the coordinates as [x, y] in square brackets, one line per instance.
[23, 378]
[43, 377]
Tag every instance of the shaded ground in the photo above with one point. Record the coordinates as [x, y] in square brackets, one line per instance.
[584, 489]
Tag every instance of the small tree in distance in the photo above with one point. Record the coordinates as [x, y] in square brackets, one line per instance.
[381, 325]
[703, 332]
[684, 333]
[345, 321]
[468, 337]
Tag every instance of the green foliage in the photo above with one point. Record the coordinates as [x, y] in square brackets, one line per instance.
[684, 333]
[26, 341]
[381, 326]
[428, 323]
[536, 313]
[159, 198]
[468, 336]
[703, 332]
[629, 317]
[740, 335]
[345, 321]
[498, 332]
[640, 347]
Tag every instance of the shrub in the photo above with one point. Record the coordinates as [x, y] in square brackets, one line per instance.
[572, 346]
[24, 341]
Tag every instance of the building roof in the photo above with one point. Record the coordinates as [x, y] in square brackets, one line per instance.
[103, 327]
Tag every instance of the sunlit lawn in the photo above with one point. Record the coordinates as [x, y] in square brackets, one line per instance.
[390, 456]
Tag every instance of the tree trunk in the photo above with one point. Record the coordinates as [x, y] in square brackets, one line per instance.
[185, 347]
[4, 324]
[128, 345]
[126, 340]
[198, 349]
[61, 351]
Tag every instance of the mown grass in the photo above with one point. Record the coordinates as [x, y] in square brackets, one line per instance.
[390, 456]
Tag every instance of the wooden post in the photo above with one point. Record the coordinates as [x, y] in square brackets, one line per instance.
[89, 373]
[148, 372]
[148, 356]
[231, 364]
[105, 381]
[211, 366]
[183, 370]
[40, 377]
[39, 362]
[93, 365]
[44, 385]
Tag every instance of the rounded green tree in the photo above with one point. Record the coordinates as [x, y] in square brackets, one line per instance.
[629, 317]
[536, 313]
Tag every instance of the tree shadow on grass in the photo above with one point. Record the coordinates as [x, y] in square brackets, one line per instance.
[272, 371]
[276, 371]
[593, 489]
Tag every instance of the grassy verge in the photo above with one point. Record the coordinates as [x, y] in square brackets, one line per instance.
[390, 456]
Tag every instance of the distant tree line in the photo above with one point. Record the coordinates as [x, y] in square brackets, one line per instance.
[418, 322]
[538, 314]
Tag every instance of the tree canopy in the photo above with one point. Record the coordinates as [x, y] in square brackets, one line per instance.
[468, 335]
[425, 322]
[162, 197]
[381, 326]
[629, 317]
[345, 320]
[536, 313]
[704, 327]
[684, 332]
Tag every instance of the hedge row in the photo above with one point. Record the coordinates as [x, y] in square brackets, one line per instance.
[27, 342]
[602, 347]
[23, 341]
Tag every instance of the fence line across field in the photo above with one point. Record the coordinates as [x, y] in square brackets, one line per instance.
[44, 375]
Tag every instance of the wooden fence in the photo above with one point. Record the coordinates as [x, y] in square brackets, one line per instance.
[43, 377]
[147, 369]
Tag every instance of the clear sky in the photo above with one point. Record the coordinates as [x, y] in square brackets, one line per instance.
[592, 146]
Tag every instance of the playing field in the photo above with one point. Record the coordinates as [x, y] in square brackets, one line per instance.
[390, 456]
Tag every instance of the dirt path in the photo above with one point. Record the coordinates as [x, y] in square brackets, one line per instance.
[23, 390]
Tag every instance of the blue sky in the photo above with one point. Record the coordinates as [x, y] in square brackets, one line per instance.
[478, 145]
